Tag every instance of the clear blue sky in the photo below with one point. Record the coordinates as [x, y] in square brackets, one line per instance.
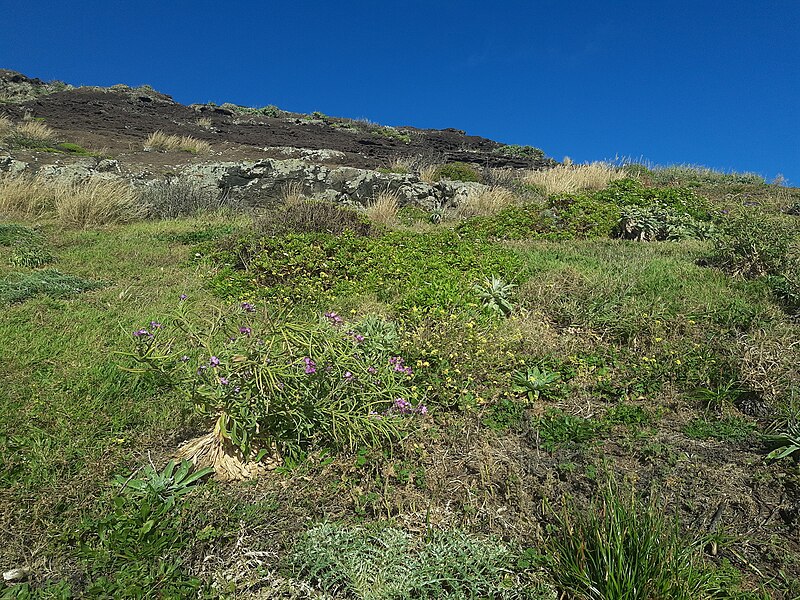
[714, 83]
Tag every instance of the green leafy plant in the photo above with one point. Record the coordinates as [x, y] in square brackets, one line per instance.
[655, 223]
[535, 383]
[558, 430]
[495, 294]
[623, 547]
[383, 562]
[458, 171]
[19, 287]
[517, 151]
[753, 243]
[279, 383]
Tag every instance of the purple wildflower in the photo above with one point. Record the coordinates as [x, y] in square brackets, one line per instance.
[348, 375]
[214, 361]
[402, 406]
[184, 358]
[183, 297]
[247, 307]
[372, 370]
[422, 409]
[245, 331]
[223, 381]
[141, 332]
[408, 371]
[334, 318]
[311, 366]
[155, 325]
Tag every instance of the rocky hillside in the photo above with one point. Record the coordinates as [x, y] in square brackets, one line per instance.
[249, 152]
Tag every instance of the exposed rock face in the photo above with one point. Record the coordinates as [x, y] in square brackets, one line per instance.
[9, 165]
[264, 182]
[16, 87]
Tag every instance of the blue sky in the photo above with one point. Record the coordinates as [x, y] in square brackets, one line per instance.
[713, 83]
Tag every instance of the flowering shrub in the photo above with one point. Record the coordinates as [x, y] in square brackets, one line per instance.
[282, 384]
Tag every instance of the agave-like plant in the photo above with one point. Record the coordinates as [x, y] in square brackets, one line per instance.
[495, 294]
[534, 382]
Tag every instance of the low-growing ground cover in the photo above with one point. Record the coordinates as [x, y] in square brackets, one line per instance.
[449, 412]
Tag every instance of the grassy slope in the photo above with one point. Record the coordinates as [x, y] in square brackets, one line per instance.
[637, 325]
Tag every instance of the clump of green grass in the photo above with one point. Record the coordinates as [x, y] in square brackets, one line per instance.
[380, 562]
[458, 171]
[623, 547]
[28, 246]
[19, 287]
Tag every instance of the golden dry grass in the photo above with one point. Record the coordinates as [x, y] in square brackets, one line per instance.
[158, 140]
[429, 173]
[27, 134]
[74, 204]
[569, 178]
[5, 126]
[383, 209]
[204, 122]
[486, 202]
[401, 164]
[292, 193]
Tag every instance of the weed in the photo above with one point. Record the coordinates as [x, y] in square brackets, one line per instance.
[725, 429]
[622, 547]
[495, 294]
[535, 383]
[560, 430]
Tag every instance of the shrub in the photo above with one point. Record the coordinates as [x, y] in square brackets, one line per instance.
[691, 175]
[516, 151]
[275, 385]
[178, 198]
[162, 141]
[383, 210]
[312, 216]
[457, 171]
[571, 179]
[655, 223]
[622, 547]
[752, 244]
[415, 273]
[527, 221]
[98, 202]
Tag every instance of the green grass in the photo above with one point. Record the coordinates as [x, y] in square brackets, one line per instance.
[633, 329]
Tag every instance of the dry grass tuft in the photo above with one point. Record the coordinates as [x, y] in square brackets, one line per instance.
[204, 122]
[486, 202]
[99, 202]
[401, 164]
[159, 140]
[383, 210]
[27, 134]
[75, 204]
[569, 178]
[5, 126]
[429, 174]
[292, 193]
[23, 195]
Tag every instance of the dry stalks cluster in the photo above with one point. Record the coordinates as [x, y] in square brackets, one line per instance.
[74, 204]
[486, 202]
[27, 134]
[159, 140]
[383, 209]
[570, 179]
